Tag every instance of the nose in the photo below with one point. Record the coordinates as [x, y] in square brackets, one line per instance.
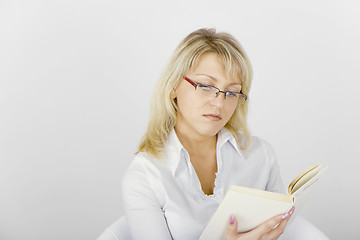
[219, 91]
[219, 100]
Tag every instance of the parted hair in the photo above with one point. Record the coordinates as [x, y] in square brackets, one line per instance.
[163, 109]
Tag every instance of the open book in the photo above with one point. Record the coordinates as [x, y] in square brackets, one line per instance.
[253, 207]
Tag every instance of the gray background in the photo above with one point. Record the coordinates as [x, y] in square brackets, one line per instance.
[76, 78]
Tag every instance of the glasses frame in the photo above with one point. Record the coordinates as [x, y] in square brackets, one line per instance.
[196, 84]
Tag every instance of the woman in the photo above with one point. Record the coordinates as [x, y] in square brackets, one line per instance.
[198, 144]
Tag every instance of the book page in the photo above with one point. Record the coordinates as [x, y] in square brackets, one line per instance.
[309, 180]
[303, 190]
[303, 178]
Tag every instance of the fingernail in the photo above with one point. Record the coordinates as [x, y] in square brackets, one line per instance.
[292, 210]
[232, 219]
[286, 216]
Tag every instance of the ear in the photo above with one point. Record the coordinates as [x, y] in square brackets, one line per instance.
[174, 99]
[173, 93]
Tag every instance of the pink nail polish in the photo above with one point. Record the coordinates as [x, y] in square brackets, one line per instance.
[286, 216]
[292, 210]
[232, 219]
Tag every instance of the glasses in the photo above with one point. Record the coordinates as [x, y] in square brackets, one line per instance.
[207, 91]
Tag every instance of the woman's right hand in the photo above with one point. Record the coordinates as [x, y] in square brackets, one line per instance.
[269, 230]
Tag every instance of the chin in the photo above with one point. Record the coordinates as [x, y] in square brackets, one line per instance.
[210, 131]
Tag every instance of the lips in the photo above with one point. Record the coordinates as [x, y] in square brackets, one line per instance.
[213, 117]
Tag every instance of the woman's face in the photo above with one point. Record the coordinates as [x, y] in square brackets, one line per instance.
[202, 115]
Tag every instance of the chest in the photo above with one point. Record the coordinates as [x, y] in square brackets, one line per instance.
[205, 168]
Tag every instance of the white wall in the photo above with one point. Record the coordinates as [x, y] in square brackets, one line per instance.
[76, 77]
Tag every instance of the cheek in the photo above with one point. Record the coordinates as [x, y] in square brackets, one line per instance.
[188, 105]
[229, 111]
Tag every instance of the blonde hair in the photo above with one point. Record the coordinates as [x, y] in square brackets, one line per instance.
[163, 106]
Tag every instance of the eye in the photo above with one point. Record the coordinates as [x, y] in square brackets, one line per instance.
[231, 94]
[205, 87]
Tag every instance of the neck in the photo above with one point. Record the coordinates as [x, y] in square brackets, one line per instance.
[196, 144]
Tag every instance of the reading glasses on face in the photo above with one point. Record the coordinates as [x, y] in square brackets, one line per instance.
[208, 90]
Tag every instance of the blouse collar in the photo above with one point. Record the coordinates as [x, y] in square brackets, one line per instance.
[176, 154]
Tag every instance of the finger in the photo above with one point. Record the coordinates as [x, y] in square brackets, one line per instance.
[269, 225]
[276, 232]
[231, 231]
[275, 221]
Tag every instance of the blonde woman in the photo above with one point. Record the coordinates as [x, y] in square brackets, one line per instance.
[197, 145]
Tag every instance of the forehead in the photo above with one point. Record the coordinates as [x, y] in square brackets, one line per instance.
[216, 67]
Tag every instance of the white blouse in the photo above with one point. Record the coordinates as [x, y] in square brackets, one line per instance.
[163, 199]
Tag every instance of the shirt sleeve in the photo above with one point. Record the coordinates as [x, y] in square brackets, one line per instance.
[275, 183]
[143, 209]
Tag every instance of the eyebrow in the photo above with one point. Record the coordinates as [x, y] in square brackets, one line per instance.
[216, 80]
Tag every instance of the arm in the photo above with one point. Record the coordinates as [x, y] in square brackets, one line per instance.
[274, 183]
[142, 206]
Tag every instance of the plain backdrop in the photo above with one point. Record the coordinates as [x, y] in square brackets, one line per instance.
[76, 78]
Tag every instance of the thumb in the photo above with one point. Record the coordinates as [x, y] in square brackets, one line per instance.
[231, 230]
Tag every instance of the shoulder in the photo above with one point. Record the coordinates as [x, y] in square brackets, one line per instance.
[143, 165]
[261, 150]
[261, 143]
[146, 170]
[143, 179]
[248, 146]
